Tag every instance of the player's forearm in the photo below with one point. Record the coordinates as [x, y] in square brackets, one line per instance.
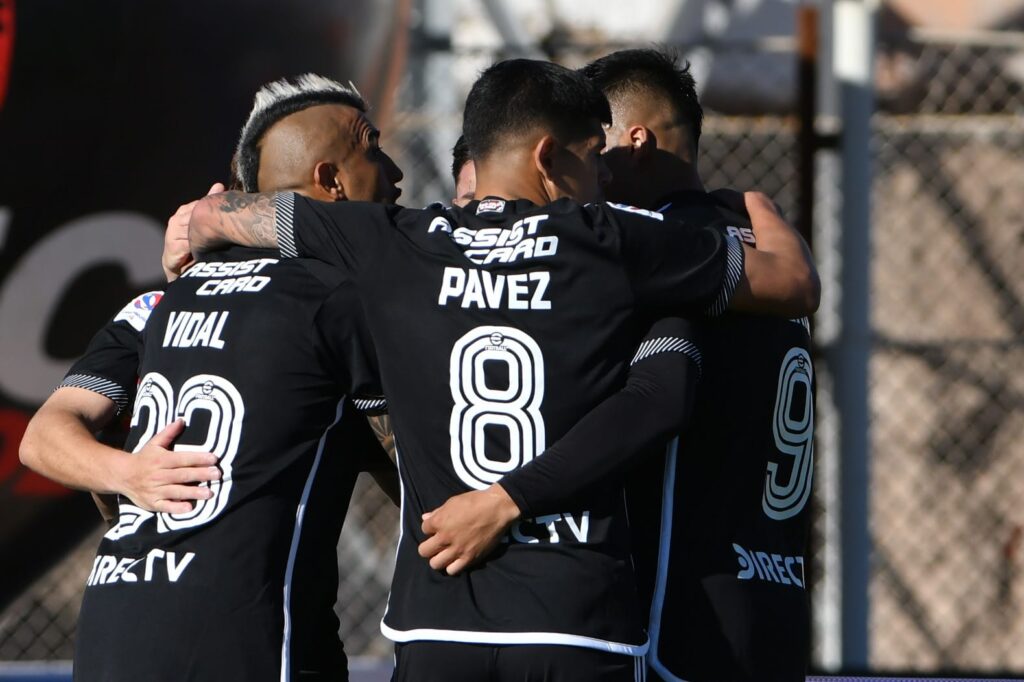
[60, 445]
[233, 218]
[779, 276]
[654, 406]
[381, 425]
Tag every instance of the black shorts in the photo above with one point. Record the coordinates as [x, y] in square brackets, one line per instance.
[459, 662]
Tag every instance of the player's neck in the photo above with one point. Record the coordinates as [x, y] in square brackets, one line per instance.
[680, 178]
[508, 179]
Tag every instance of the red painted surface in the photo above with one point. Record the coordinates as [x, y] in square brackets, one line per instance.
[25, 482]
[6, 46]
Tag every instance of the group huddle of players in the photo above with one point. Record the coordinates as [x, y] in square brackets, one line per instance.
[601, 414]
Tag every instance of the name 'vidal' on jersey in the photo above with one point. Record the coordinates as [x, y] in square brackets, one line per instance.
[256, 370]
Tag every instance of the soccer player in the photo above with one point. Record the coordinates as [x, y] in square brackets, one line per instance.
[721, 522]
[497, 326]
[718, 610]
[311, 135]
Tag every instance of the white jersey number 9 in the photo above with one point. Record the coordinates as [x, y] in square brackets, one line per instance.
[793, 427]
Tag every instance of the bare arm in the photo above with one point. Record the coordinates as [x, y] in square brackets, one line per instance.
[779, 275]
[233, 218]
[384, 473]
[59, 444]
[381, 425]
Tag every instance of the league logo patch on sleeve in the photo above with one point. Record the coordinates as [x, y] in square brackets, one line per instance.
[137, 312]
[639, 211]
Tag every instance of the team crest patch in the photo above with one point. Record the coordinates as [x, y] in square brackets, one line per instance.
[640, 211]
[137, 312]
[490, 206]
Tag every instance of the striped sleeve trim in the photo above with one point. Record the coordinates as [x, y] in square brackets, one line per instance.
[368, 404]
[284, 223]
[98, 385]
[669, 344]
[733, 273]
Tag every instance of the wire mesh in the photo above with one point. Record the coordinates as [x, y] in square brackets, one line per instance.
[947, 393]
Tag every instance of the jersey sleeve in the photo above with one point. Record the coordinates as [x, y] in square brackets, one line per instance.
[654, 405]
[674, 266]
[342, 233]
[110, 365]
[361, 443]
[344, 346]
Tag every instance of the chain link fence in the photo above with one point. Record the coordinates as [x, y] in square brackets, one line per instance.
[947, 392]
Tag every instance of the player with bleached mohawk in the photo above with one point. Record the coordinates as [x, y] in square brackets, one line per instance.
[252, 551]
[322, 142]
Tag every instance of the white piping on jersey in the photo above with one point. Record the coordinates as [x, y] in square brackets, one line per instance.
[475, 637]
[664, 549]
[734, 257]
[284, 224]
[300, 514]
[401, 525]
[105, 387]
[733, 254]
[668, 344]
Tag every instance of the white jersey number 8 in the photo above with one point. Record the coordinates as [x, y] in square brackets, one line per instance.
[515, 407]
[794, 436]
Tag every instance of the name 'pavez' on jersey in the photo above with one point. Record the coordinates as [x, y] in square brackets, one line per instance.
[497, 327]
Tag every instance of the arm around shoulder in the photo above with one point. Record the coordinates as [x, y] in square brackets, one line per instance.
[779, 276]
[228, 218]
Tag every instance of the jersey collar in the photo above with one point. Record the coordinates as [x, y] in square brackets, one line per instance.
[684, 196]
[496, 208]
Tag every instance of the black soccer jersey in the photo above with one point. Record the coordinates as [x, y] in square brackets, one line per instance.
[497, 327]
[110, 365]
[635, 423]
[720, 524]
[253, 353]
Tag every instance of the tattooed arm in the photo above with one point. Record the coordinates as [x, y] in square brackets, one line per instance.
[233, 218]
[381, 426]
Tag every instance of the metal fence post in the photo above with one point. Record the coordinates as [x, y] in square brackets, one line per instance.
[853, 44]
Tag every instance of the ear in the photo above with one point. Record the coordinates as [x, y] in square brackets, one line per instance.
[327, 180]
[642, 141]
[544, 155]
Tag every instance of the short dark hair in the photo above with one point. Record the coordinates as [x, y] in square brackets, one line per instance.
[648, 70]
[518, 95]
[277, 100]
[460, 157]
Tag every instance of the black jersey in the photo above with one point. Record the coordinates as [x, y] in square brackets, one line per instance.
[497, 327]
[254, 354]
[720, 524]
[110, 365]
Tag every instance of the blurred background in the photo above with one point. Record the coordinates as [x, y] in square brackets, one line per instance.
[891, 131]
